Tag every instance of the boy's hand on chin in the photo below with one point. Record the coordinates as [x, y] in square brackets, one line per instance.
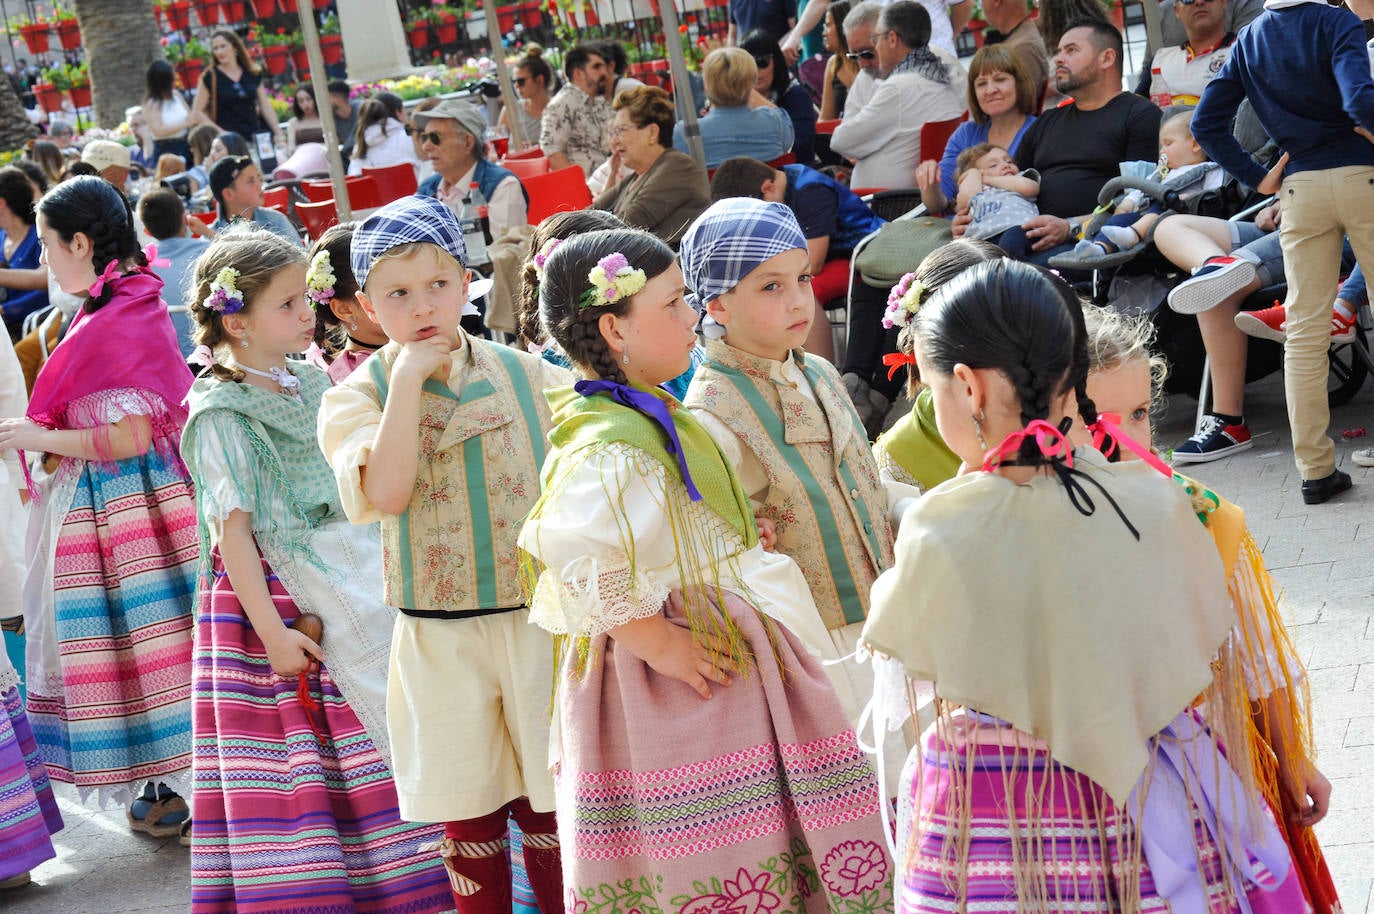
[428, 358]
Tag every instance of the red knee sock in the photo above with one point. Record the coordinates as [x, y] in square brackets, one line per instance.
[478, 871]
[543, 860]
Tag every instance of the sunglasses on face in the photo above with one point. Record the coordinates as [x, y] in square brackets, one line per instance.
[430, 137]
[862, 55]
[763, 60]
[521, 80]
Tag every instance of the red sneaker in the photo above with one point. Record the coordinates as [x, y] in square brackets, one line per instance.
[1272, 324]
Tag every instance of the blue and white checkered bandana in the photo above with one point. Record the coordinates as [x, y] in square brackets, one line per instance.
[729, 240]
[405, 221]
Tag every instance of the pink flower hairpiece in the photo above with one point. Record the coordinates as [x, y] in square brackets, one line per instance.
[904, 302]
[320, 280]
[542, 257]
[613, 280]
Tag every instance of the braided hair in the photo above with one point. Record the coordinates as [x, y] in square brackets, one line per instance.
[1019, 320]
[93, 207]
[576, 328]
[338, 241]
[258, 255]
[562, 226]
[939, 267]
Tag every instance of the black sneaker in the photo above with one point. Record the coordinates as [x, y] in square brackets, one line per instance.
[1316, 491]
[1213, 441]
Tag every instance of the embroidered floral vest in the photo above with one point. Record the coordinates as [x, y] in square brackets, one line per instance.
[454, 547]
[824, 495]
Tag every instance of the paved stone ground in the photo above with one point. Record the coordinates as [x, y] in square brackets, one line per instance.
[1319, 554]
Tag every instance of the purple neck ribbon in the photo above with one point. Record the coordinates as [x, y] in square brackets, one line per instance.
[652, 407]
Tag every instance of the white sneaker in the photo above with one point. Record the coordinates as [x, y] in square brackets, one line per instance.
[1364, 457]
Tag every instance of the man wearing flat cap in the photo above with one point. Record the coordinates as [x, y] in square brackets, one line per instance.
[451, 138]
[111, 161]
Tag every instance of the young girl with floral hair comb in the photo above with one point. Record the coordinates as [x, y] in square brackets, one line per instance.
[112, 541]
[344, 333]
[703, 759]
[324, 832]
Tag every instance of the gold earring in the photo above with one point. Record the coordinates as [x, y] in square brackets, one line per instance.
[978, 421]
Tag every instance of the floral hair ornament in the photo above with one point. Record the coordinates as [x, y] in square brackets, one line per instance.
[613, 280]
[320, 280]
[224, 295]
[542, 257]
[904, 301]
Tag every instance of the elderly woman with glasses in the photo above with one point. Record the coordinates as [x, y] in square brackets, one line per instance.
[669, 188]
[741, 121]
[534, 84]
[1002, 97]
[776, 84]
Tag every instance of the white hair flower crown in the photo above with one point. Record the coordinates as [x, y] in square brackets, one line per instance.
[320, 280]
[613, 280]
[224, 295]
[904, 302]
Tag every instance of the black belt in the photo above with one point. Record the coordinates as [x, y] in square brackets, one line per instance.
[458, 613]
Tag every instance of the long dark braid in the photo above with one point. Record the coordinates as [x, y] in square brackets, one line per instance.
[93, 207]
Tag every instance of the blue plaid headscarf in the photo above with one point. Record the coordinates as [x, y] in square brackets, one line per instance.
[728, 241]
[405, 221]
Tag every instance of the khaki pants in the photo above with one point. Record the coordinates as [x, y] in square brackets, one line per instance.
[1320, 209]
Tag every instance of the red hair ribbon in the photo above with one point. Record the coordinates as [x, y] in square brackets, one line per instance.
[895, 360]
[1107, 434]
[1050, 440]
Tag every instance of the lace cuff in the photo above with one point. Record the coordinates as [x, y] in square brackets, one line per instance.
[594, 594]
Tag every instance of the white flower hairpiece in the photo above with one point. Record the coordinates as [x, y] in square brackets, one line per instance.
[613, 280]
[320, 280]
[904, 301]
[224, 295]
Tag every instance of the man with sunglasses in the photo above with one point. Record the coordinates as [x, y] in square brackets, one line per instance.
[451, 139]
[947, 21]
[237, 185]
[577, 120]
[1177, 74]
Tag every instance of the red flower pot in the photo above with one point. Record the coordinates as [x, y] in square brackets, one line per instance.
[234, 10]
[188, 71]
[331, 47]
[264, 8]
[419, 36]
[69, 34]
[300, 60]
[505, 18]
[80, 96]
[275, 58]
[207, 11]
[35, 37]
[446, 33]
[289, 6]
[49, 97]
[531, 14]
[177, 15]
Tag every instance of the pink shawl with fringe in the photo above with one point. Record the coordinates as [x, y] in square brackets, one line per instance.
[129, 343]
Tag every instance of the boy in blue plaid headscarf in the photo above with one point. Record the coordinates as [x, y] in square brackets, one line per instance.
[440, 437]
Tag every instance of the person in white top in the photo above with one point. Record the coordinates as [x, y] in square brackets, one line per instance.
[947, 21]
[451, 137]
[167, 114]
[916, 84]
[381, 140]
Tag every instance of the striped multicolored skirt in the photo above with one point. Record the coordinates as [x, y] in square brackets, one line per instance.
[758, 800]
[294, 808]
[1041, 836]
[28, 812]
[123, 588]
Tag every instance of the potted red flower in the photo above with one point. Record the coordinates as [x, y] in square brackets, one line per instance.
[68, 29]
[299, 58]
[188, 60]
[48, 93]
[276, 50]
[417, 28]
[207, 11]
[331, 42]
[235, 10]
[33, 31]
[445, 26]
[531, 14]
[176, 14]
[264, 8]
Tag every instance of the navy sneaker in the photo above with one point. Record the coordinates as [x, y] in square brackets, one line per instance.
[1213, 441]
[1218, 278]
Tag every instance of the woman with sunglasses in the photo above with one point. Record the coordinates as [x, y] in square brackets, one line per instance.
[776, 84]
[533, 82]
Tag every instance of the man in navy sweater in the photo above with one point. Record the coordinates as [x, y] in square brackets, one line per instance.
[1304, 67]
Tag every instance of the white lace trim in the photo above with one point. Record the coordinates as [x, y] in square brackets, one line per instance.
[107, 407]
[594, 594]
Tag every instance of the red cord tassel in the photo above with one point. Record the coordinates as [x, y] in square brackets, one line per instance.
[307, 700]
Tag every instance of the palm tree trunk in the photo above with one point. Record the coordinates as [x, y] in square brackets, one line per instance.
[121, 38]
[15, 127]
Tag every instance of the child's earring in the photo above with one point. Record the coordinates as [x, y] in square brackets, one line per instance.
[625, 359]
[978, 421]
[353, 325]
[243, 343]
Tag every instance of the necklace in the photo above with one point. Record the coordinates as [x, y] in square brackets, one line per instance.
[289, 384]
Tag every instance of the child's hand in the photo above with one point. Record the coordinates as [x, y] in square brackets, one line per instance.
[290, 652]
[768, 533]
[1312, 797]
[20, 434]
[428, 358]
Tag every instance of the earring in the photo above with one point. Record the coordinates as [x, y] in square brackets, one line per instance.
[243, 343]
[978, 421]
[625, 359]
[353, 325]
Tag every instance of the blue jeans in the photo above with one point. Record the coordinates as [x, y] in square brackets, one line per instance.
[1261, 248]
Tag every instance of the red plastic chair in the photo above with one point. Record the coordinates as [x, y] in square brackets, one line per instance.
[316, 217]
[394, 181]
[559, 191]
[277, 198]
[935, 136]
[208, 218]
[787, 158]
[527, 168]
[827, 127]
[363, 192]
[318, 191]
[533, 152]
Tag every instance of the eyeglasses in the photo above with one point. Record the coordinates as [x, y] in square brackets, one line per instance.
[763, 60]
[862, 55]
[622, 129]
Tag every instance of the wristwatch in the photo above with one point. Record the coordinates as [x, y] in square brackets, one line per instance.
[1075, 229]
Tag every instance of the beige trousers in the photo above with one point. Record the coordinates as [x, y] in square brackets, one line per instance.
[1320, 208]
